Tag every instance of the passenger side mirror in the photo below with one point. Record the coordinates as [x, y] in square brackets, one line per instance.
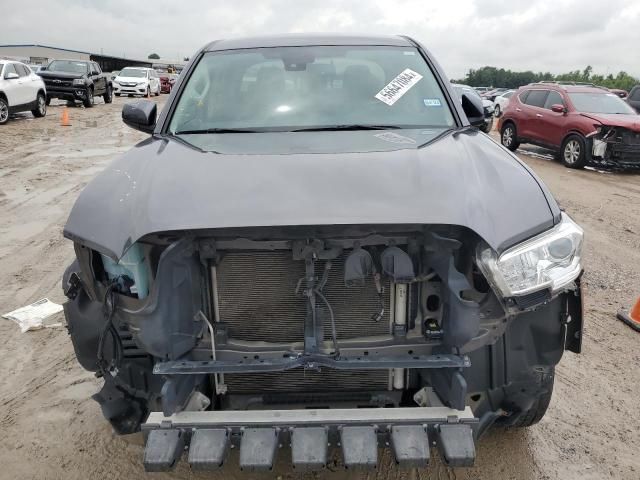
[11, 76]
[94, 73]
[140, 115]
[556, 107]
[473, 109]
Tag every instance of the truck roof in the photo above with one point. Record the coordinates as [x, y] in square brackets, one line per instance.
[301, 40]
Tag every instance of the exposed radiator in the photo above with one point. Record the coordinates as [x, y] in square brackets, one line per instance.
[257, 300]
[298, 380]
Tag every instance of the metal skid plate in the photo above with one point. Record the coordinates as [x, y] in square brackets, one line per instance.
[258, 448]
[410, 445]
[359, 447]
[260, 434]
[163, 450]
[208, 448]
[456, 444]
[309, 447]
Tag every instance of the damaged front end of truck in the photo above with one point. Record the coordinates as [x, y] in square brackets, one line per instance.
[319, 259]
[615, 147]
[350, 336]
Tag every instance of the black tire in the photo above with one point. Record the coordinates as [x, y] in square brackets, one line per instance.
[41, 110]
[510, 140]
[48, 102]
[148, 95]
[544, 387]
[4, 111]
[89, 101]
[573, 153]
[496, 111]
[108, 95]
[117, 94]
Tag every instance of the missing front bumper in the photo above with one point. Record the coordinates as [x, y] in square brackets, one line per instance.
[261, 434]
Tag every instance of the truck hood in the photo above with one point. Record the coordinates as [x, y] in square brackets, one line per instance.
[311, 178]
[66, 75]
[630, 121]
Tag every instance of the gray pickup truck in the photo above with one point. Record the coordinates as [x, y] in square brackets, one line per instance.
[315, 252]
[76, 80]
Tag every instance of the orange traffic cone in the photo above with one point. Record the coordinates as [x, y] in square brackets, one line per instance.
[633, 318]
[64, 120]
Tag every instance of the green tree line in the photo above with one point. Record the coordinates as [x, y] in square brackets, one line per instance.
[499, 77]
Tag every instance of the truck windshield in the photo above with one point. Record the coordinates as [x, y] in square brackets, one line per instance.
[311, 88]
[68, 66]
[599, 103]
[133, 72]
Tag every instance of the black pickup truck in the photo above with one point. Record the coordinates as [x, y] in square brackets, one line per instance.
[76, 80]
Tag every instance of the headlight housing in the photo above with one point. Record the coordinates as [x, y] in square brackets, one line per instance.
[139, 84]
[551, 260]
[78, 82]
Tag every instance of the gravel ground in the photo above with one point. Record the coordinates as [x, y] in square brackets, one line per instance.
[52, 429]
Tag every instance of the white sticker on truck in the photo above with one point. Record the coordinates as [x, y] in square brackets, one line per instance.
[397, 87]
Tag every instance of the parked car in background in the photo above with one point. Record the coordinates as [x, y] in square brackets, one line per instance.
[137, 81]
[165, 83]
[461, 89]
[619, 92]
[587, 125]
[482, 90]
[501, 101]
[492, 94]
[21, 90]
[634, 98]
[76, 80]
[35, 68]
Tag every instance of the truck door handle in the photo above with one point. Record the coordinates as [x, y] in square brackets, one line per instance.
[518, 109]
[538, 115]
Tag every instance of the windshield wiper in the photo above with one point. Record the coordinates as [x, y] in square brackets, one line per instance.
[217, 130]
[356, 126]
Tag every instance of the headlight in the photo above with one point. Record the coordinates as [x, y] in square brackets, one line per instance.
[78, 82]
[551, 260]
[140, 84]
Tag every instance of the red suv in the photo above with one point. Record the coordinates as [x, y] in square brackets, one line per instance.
[587, 125]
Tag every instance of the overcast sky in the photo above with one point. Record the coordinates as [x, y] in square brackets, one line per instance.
[540, 35]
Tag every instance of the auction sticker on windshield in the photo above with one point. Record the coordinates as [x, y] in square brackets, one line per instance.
[397, 87]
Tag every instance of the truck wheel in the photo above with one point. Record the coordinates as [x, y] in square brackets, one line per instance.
[543, 386]
[509, 137]
[574, 150]
[4, 111]
[108, 95]
[41, 108]
[48, 102]
[89, 101]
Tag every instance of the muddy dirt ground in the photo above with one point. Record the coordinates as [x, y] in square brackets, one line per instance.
[52, 429]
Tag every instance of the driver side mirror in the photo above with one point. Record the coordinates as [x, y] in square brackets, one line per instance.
[558, 108]
[473, 109]
[11, 76]
[140, 115]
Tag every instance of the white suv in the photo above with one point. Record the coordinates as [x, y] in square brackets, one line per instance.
[21, 90]
[136, 81]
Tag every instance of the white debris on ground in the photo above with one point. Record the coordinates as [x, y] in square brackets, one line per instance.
[33, 317]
